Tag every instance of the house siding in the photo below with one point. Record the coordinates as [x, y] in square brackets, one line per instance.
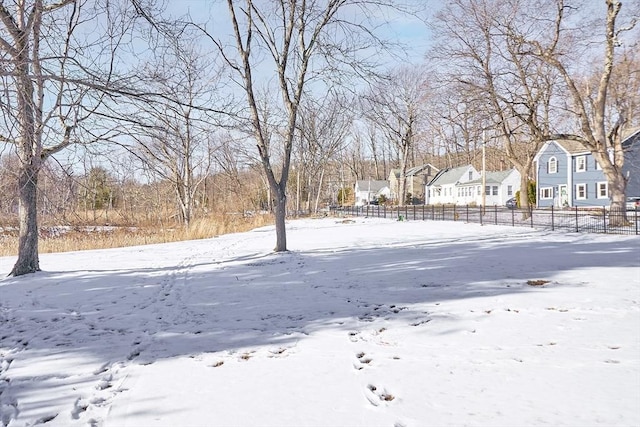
[631, 167]
[588, 180]
[367, 191]
[549, 183]
[445, 189]
[582, 186]
[463, 186]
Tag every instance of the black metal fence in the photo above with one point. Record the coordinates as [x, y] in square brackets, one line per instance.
[595, 220]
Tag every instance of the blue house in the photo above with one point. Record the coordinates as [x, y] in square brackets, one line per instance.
[568, 175]
[631, 166]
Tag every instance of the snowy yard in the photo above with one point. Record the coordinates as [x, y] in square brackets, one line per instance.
[370, 322]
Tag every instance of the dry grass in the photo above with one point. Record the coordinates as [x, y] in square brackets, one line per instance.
[78, 238]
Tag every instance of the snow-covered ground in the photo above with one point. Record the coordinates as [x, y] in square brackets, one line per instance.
[366, 323]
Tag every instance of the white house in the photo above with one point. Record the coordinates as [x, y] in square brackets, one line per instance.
[370, 190]
[443, 188]
[500, 186]
[463, 186]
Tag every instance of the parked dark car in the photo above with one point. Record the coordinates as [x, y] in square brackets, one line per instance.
[512, 203]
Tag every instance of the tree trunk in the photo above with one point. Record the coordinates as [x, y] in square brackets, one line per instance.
[280, 210]
[28, 261]
[315, 210]
[524, 193]
[618, 208]
[617, 186]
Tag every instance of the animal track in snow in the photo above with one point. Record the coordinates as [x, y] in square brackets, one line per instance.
[376, 395]
[362, 360]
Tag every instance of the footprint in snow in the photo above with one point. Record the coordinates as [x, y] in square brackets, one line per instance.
[362, 361]
[377, 396]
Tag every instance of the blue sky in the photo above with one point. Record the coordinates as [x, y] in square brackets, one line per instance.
[411, 31]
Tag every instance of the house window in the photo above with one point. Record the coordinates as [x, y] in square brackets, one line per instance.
[581, 191]
[487, 190]
[552, 165]
[494, 190]
[581, 163]
[479, 190]
[470, 175]
[546, 193]
[509, 190]
[602, 190]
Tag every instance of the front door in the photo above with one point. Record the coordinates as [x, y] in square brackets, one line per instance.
[563, 199]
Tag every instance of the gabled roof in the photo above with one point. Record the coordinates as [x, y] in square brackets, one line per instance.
[371, 185]
[631, 138]
[572, 147]
[631, 132]
[415, 170]
[492, 177]
[450, 176]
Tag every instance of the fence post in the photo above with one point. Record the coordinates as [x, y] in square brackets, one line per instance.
[423, 208]
[481, 209]
[495, 213]
[553, 219]
[414, 212]
[531, 215]
[636, 219]
[467, 212]
[604, 217]
[433, 212]
[577, 228]
[513, 217]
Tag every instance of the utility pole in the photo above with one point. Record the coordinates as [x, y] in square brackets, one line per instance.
[484, 173]
[297, 169]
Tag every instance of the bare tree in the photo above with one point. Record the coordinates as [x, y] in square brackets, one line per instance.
[456, 118]
[173, 135]
[510, 93]
[523, 70]
[588, 106]
[302, 40]
[323, 126]
[52, 53]
[395, 106]
[623, 98]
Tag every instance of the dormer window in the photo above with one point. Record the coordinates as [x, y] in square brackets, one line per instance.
[552, 165]
[581, 163]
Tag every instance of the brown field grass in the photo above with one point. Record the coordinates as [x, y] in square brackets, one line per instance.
[93, 236]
